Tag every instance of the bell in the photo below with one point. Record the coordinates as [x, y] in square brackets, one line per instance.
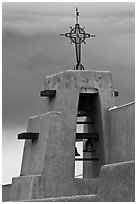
[89, 146]
[76, 152]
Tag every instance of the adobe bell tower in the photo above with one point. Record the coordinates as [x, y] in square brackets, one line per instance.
[48, 163]
[68, 99]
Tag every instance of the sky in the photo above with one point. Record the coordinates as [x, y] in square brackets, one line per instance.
[32, 49]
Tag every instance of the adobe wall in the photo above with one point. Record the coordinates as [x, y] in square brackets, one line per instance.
[116, 184]
[122, 140]
[6, 192]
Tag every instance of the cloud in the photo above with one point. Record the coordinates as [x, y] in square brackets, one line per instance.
[40, 60]
[28, 20]
[26, 25]
[41, 18]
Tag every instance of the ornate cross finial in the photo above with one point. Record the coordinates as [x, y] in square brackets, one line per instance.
[77, 36]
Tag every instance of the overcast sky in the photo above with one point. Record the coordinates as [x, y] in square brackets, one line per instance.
[32, 49]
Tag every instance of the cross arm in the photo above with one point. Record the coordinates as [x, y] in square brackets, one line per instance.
[89, 35]
[65, 35]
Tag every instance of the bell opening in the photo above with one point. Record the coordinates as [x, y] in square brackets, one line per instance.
[86, 155]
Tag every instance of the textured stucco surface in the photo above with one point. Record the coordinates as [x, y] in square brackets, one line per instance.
[122, 140]
[48, 163]
[80, 198]
[6, 192]
[26, 187]
[117, 183]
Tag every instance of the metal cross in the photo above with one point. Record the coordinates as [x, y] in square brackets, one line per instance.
[77, 36]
